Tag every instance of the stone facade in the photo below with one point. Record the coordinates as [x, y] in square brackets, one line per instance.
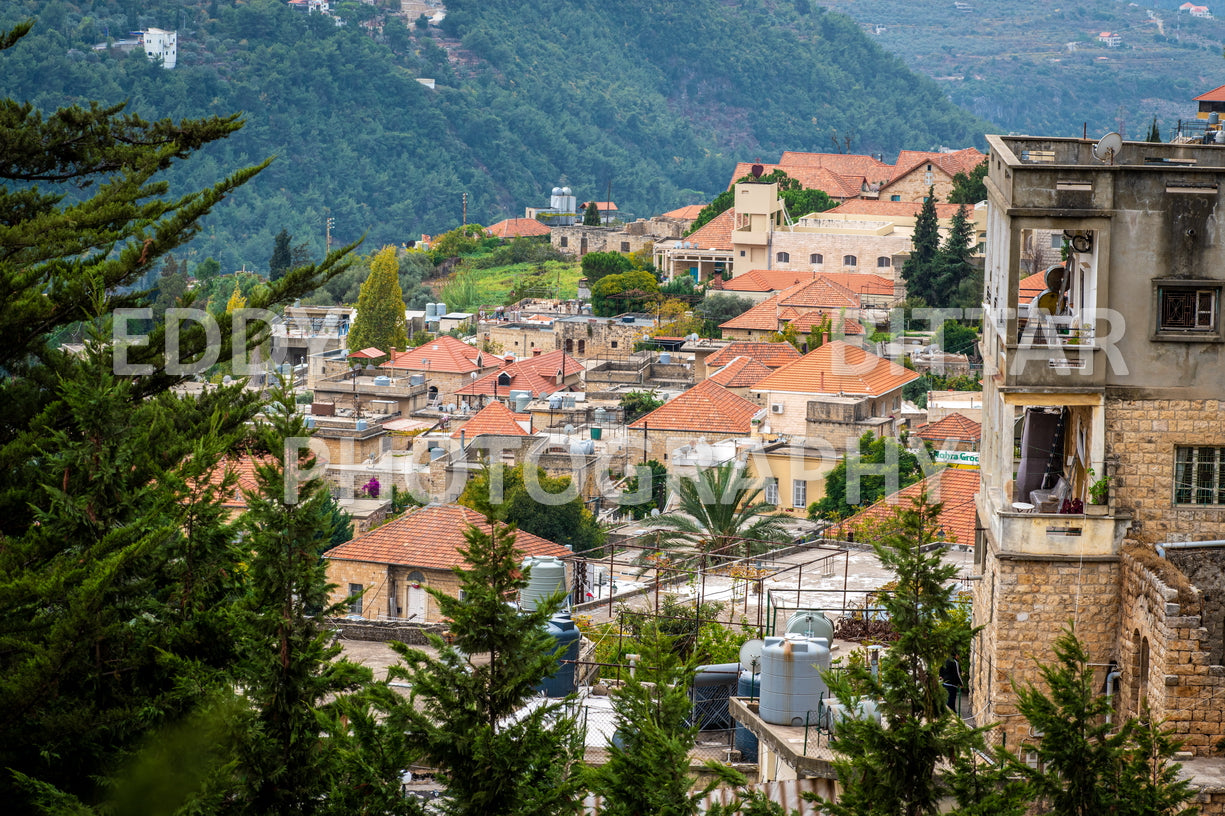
[519, 339]
[389, 592]
[579, 240]
[585, 337]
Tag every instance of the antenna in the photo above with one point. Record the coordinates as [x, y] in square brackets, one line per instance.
[750, 654]
[1107, 147]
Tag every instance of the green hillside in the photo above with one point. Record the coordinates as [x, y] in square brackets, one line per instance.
[651, 101]
[1038, 67]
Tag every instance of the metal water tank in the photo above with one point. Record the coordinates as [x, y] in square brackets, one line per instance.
[382, 380]
[521, 402]
[792, 689]
[665, 358]
[810, 623]
[565, 680]
[546, 577]
[748, 686]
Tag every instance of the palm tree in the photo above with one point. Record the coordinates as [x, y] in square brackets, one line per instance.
[720, 509]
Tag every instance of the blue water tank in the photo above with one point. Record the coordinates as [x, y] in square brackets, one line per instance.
[564, 681]
[665, 358]
[791, 685]
[749, 686]
[712, 686]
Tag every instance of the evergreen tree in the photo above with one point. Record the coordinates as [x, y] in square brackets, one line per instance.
[925, 245]
[1154, 133]
[890, 767]
[952, 268]
[282, 256]
[380, 321]
[1086, 763]
[648, 761]
[591, 217]
[468, 709]
[970, 188]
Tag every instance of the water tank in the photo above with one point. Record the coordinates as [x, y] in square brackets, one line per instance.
[431, 310]
[360, 424]
[712, 686]
[382, 380]
[810, 623]
[568, 402]
[416, 379]
[547, 576]
[310, 422]
[748, 686]
[563, 630]
[665, 358]
[555, 402]
[437, 453]
[836, 712]
[791, 684]
[601, 415]
[521, 402]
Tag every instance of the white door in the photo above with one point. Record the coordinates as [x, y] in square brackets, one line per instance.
[415, 608]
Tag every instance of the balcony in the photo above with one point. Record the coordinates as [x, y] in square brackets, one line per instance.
[1049, 534]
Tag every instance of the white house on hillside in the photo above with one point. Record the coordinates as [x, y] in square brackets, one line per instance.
[161, 45]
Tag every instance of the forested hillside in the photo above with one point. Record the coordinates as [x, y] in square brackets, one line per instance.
[650, 102]
[1041, 68]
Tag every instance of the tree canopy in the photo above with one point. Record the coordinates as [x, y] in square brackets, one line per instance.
[380, 321]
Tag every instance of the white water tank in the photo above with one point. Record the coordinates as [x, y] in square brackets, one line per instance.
[792, 689]
[546, 577]
[810, 623]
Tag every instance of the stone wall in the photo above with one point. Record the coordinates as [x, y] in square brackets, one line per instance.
[868, 251]
[516, 339]
[383, 631]
[1143, 435]
[598, 337]
[579, 240]
[1205, 568]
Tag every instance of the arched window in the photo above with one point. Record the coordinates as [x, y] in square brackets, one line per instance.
[850, 260]
[784, 257]
[816, 258]
[884, 262]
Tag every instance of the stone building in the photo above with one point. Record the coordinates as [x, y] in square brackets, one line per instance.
[585, 336]
[707, 412]
[1120, 377]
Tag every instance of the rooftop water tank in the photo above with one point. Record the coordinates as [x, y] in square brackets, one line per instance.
[748, 686]
[836, 712]
[563, 630]
[438, 452]
[521, 402]
[792, 689]
[546, 577]
[416, 379]
[382, 380]
[555, 402]
[810, 623]
[665, 358]
[712, 686]
[360, 424]
[601, 415]
[431, 310]
[568, 402]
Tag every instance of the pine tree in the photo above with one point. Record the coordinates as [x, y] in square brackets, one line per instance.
[890, 767]
[925, 245]
[591, 216]
[952, 269]
[648, 761]
[1154, 133]
[380, 321]
[467, 711]
[282, 256]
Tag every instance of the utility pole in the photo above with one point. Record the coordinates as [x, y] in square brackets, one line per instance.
[465, 222]
[328, 224]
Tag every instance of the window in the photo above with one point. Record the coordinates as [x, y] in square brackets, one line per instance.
[1187, 309]
[614, 344]
[850, 260]
[895, 197]
[799, 493]
[564, 241]
[771, 491]
[884, 262]
[355, 598]
[816, 258]
[742, 253]
[582, 346]
[1056, 240]
[1199, 476]
[783, 257]
[625, 246]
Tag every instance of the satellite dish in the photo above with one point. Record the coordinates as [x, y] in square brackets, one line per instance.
[750, 653]
[1108, 147]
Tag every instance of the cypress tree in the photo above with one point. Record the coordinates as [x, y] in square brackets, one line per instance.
[380, 319]
[282, 256]
[591, 216]
[952, 270]
[925, 245]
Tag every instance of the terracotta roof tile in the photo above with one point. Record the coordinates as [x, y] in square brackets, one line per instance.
[687, 213]
[517, 228]
[535, 374]
[771, 355]
[838, 368]
[715, 233]
[494, 419]
[1030, 287]
[765, 280]
[959, 161]
[706, 408]
[430, 538]
[805, 305]
[861, 283]
[743, 372]
[444, 354]
[243, 470]
[1215, 95]
[954, 426]
[894, 209]
[955, 488]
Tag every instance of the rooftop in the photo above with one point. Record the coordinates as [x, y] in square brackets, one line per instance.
[951, 487]
[839, 368]
[772, 355]
[954, 426]
[706, 408]
[494, 419]
[742, 372]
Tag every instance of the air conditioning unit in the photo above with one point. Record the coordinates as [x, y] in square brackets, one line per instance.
[776, 408]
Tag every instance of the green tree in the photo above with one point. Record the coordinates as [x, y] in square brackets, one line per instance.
[591, 217]
[464, 240]
[1154, 133]
[970, 188]
[798, 199]
[880, 467]
[918, 270]
[1087, 764]
[467, 706]
[722, 512]
[956, 338]
[597, 265]
[890, 767]
[952, 272]
[628, 292]
[461, 293]
[654, 475]
[380, 321]
[648, 761]
[716, 310]
[282, 256]
[501, 492]
[636, 404]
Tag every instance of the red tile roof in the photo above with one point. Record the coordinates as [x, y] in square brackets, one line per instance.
[715, 233]
[771, 355]
[688, 213]
[517, 228]
[764, 280]
[803, 305]
[601, 206]
[954, 426]
[861, 283]
[370, 353]
[838, 368]
[706, 408]
[430, 538]
[743, 372]
[494, 419]
[953, 487]
[894, 209]
[243, 470]
[1215, 95]
[835, 184]
[536, 374]
[958, 161]
[444, 354]
[1030, 287]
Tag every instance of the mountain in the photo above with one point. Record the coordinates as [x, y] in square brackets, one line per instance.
[648, 102]
[1043, 68]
